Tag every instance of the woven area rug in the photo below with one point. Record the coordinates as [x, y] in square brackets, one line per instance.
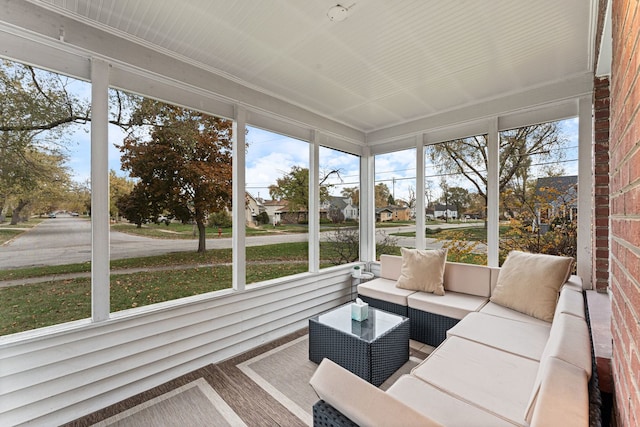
[194, 404]
[284, 373]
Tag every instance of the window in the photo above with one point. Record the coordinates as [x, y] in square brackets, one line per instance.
[277, 205]
[456, 198]
[539, 188]
[170, 186]
[45, 203]
[395, 201]
[339, 207]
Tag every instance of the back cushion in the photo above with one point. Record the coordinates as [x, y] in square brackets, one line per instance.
[529, 283]
[561, 398]
[570, 340]
[467, 279]
[495, 271]
[390, 266]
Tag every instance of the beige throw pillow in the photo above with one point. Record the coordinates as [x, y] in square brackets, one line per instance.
[529, 283]
[422, 270]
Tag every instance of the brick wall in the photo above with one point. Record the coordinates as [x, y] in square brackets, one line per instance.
[600, 231]
[624, 152]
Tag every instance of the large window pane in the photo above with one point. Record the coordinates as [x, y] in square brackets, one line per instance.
[277, 205]
[45, 230]
[455, 198]
[170, 186]
[395, 201]
[538, 192]
[339, 207]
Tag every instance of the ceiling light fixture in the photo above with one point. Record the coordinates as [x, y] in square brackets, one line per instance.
[338, 12]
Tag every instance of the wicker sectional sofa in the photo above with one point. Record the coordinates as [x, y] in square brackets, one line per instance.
[493, 366]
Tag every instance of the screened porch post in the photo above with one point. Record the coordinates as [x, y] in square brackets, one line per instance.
[493, 193]
[313, 214]
[367, 207]
[100, 292]
[420, 186]
[585, 184]
[238, 234]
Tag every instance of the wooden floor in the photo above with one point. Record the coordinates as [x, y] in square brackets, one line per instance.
[248, 400]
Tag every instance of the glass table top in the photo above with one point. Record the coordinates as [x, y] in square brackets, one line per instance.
[377, 323]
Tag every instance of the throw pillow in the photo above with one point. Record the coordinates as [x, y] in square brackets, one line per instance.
[422, 270]
[529, 283]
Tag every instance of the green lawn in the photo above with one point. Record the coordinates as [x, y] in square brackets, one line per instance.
[30, 306]
[472, 233]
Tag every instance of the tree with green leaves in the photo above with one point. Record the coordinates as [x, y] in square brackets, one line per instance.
[459, 197]
[183, 163]
[294, 188]
[35, 114]
[382, 195]
[118, 187]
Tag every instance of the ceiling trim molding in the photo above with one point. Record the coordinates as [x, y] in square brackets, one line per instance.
[514, 104]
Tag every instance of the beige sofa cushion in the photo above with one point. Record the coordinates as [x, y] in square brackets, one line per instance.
[570, 340]
[520, 338]
[574, 282]
[500, 311]
[384, 289]
[440, 406]
[452, 304]
[570, 302]
[563, 397]
[529, 283]
[467, 279]
[494, 380]
[361, 402]
[422, 270]
[390, 266]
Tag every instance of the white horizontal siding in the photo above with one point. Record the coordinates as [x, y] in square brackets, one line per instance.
[52, 379]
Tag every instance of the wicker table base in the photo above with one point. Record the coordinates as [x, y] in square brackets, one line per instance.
[372, 349]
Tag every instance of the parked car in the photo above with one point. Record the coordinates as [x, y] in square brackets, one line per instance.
[74, 214]
[52, 215]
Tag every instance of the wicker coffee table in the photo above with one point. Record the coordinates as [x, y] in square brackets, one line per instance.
[372, 349]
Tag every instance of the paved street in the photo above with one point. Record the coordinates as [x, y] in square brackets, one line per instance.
[67, 240]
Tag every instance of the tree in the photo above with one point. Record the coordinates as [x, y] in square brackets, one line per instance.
[468, 156]
[34, 105]
[39, 111]
[183, 164]
[118, 187]
[382, 195]
[294, 188]
[342, 245]
[459, 197]
[135, 206]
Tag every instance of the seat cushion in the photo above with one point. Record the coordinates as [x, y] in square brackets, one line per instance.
[521, 338]
[440, 406]
[361, 402]
[452, 304]
[498, 310]
[386, 290]
[422, 270]
[530, 283]
[494, 380]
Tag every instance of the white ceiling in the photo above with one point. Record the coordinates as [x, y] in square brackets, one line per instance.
[388, 63]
